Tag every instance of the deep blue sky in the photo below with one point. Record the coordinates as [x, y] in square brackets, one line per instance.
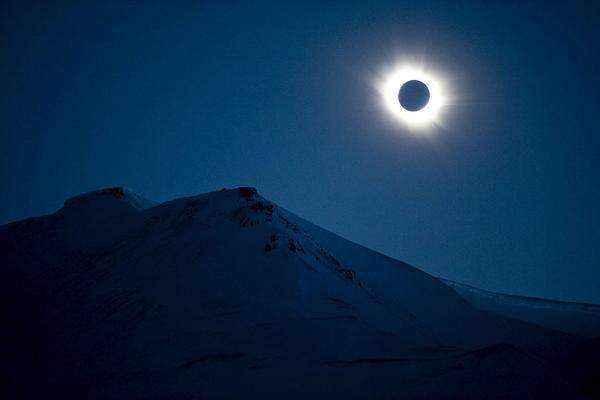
[178, 100]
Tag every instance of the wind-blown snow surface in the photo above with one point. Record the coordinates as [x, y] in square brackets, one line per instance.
[226, 295]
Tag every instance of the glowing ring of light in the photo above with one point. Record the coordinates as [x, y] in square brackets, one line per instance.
[390, 86]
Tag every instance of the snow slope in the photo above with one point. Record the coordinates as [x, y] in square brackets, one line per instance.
[227, 295]
[574, 318]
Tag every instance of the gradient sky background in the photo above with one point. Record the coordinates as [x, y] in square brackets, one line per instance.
[174, 100]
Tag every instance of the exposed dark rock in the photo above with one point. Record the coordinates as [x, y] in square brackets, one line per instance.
[248, 193]
[115, 191]
[348, 274]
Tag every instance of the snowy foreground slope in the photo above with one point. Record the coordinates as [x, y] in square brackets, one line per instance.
[226, 295]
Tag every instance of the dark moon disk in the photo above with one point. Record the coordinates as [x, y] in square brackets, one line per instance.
[413, 95]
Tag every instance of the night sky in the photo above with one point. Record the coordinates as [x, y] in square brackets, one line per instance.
[174, 100]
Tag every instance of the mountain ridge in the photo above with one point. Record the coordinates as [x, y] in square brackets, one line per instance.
[230, 287]
[582, 319]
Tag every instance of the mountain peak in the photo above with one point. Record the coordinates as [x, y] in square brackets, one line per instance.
[118, 193]
[248, 192]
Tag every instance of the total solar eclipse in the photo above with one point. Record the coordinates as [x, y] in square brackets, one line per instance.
[413, 95]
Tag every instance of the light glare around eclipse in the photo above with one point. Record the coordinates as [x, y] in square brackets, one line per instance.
[390, 85]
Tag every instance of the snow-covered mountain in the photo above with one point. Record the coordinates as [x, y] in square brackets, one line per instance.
[575, 318]
[227, 295]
